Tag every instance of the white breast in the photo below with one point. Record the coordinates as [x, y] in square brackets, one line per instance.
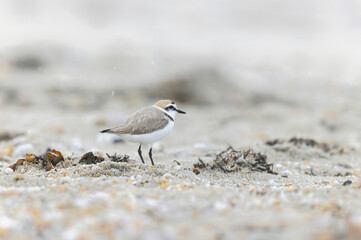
[150, 138]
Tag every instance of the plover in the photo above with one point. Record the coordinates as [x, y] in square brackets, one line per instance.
[148, 125]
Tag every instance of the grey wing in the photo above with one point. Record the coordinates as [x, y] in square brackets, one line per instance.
[144, 121]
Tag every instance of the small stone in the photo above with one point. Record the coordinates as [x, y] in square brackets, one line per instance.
[348, 182]
[9, 170]
[286, 173]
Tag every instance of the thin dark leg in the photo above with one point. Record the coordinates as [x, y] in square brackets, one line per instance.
[150, 155]
[140, 153]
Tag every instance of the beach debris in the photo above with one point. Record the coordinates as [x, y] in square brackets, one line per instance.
[12, 167]
[48, 166]
[348, 182]
[30, 158]
[6, 136]
[120, 158]
[231, 160]
[344, 165]
[90, 158]
[48, 160]
[301, 142]
[20, 162]
[308, 142]
[59, 154]
[196, 171]
[51, 158]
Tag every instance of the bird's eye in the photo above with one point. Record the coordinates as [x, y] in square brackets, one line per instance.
[170, 108]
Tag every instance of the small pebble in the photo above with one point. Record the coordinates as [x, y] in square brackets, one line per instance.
[9, 170]
[348, 182]
[286, 173]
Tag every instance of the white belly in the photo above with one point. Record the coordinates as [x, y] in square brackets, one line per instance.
[149, 138]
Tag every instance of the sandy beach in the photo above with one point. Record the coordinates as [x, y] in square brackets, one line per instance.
[283, 90]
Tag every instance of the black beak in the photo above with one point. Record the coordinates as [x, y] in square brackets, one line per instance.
[180, 111]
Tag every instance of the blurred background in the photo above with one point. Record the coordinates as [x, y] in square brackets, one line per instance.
[245, 71]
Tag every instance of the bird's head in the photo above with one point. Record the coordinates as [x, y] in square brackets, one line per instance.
[169, 106]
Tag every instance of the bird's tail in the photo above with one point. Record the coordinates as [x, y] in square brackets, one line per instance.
[105, 131]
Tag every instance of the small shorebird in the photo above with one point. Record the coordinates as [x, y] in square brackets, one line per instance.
[148, 125]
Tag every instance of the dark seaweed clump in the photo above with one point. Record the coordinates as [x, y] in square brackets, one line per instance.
[90, 158]
[231, 160]
[308, 142]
